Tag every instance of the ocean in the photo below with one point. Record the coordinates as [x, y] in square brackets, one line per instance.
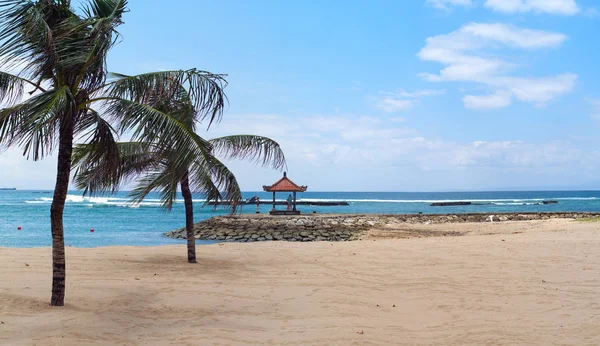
[117, 222]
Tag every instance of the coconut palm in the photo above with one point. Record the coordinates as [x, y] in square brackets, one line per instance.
[60, 56]
[152, 164]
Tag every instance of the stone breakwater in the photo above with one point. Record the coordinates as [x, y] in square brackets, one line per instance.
[251, 228]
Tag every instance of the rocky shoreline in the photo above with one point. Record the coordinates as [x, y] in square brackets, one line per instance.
[336, 227]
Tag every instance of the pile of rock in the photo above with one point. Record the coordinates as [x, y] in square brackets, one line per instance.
[251, 228]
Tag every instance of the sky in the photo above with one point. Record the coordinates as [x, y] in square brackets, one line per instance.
[412, 95]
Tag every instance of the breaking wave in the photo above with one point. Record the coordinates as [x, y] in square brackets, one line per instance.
[97, 202]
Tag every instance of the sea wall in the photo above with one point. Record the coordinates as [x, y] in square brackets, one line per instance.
[339, 227]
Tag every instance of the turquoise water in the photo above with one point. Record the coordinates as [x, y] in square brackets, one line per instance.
[117, 222]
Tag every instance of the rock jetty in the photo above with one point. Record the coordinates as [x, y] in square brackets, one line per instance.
[328, 227]
[458, 203]
[266, 202]
[449, 204]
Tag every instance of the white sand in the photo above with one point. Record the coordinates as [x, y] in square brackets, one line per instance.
[534, 287]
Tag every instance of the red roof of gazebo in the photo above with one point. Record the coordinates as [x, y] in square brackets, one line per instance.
[284, 185]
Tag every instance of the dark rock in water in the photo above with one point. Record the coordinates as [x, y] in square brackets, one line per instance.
[266, 202]
[448, 204]
[550, 202]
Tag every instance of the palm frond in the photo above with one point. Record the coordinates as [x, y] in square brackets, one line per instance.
[163, 130]
[100, 175]
[100, 136]
[89, 57]
[204, 90]
[258, 149]
[165, 182]
[106, 8]
[30, 33]
[33, 124]
[11, 88]
[209, 176]
[23, 31]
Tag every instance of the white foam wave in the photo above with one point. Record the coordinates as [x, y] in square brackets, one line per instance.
[153, 202]
[91, 202]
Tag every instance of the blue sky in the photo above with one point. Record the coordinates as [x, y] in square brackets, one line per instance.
[414, 95]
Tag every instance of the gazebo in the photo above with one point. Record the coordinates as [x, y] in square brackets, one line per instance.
[285, 185]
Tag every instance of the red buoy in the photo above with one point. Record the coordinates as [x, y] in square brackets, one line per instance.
[19, 228]
[92, 230]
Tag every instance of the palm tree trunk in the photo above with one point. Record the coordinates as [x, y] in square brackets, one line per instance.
[65, 150]
[189, 218]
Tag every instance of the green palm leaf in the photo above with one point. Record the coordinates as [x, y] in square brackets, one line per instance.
[258, 149]
[209, 176]
[100, 174]
[202, 90]
[153, 126]
[20, 19]
[11, 88]
[33, 124]
[106, 9]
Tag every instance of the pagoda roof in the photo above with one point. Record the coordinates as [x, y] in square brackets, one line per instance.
[284, 185]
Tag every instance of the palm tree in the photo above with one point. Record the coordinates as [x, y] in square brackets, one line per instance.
[153, 165]
[61, 58]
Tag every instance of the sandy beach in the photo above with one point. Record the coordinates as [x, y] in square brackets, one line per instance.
[510, 283]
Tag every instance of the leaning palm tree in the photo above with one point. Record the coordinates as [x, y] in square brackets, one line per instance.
[60, 56]
[153, 166]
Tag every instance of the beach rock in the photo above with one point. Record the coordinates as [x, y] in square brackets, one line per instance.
[449, 204]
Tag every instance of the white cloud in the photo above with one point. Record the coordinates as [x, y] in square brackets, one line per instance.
[513, 36]
[539, 90]
[390, 105]
[402, 100]
[562, 7]
[368, 153]
[469, 54]
[16, 171]
[446, 4]
[518, 155]
[337, 153]
[500, 99]
[419, 94]
[397, 119]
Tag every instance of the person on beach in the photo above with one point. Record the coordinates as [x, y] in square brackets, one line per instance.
[257, 205]
[288, 202]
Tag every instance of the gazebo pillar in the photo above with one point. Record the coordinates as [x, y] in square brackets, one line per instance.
[273, 200]
[294, 200]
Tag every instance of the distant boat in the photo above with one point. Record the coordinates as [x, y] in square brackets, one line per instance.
[8, 188]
